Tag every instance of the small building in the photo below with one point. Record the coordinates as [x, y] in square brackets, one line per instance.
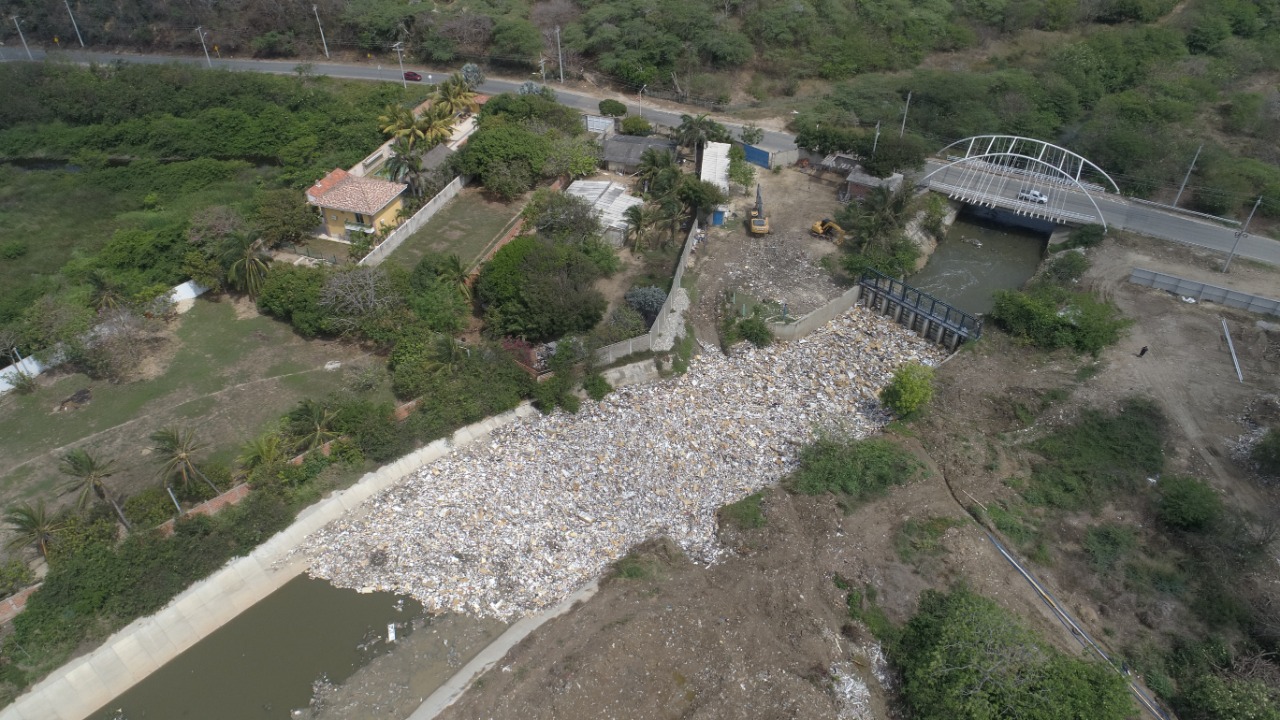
[609, 201]
[715, 170]
[351, 204]
[621, 153]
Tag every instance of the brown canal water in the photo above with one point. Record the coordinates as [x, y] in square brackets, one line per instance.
[303, 640]
[976, 258]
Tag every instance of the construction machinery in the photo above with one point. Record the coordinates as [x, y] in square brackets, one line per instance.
[759, 224]
[827, 228]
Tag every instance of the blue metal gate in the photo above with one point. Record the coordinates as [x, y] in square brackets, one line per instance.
[757, 156]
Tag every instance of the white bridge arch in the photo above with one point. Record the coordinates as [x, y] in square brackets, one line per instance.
[1028, 176]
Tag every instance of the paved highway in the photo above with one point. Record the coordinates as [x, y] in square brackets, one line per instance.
[1119, 212]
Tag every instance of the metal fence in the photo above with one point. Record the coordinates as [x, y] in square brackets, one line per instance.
[1203, 292]
[415, 223]
[641, 343]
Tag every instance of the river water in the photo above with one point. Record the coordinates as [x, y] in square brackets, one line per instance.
[272, 658]
[976, 258]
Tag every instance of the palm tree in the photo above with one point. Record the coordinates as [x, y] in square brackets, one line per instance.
[175, 448]
[696, 132]
[431, 127]
[396, 121]
[404, 160]
[658, 171]
[447, 355]
[107, 293]
[266, 449]
[90, 480]
[246, 265]
[453, 270]
[455, 95]
[313, 423]
[34, 525]
[882, 213]
[640, 221]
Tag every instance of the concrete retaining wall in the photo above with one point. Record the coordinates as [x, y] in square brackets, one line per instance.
[819, 317]
[1204, 292]
[89, 682]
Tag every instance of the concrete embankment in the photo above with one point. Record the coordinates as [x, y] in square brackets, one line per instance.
[87, 683]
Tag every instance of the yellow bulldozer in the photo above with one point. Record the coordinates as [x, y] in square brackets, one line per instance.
[759, 224]
[827, 228]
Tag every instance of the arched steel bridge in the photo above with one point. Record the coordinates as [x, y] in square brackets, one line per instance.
[1027, 176]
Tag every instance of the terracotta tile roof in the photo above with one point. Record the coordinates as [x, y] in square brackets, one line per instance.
[341, 190]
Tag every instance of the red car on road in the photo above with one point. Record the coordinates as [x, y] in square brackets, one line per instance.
[411, 75]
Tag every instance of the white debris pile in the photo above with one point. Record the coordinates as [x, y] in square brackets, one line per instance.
[506, 527]
[853, 697]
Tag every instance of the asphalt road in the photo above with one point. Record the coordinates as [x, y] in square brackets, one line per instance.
[1119, 212]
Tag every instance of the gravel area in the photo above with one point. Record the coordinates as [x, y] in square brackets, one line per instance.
[509, 526]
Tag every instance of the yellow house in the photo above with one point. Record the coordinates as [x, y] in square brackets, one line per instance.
[350, 204]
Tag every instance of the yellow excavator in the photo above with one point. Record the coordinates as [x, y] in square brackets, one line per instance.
[759, 224]
[828, 229]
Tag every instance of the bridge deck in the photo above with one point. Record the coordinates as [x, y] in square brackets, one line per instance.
[1022, 207]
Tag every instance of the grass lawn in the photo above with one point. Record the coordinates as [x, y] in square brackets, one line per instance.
[466, 226]
[225, 374]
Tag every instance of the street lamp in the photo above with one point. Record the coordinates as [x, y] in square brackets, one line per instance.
[200, 32]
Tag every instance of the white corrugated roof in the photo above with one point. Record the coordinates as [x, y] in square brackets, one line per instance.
[715, 164]
[608, 200]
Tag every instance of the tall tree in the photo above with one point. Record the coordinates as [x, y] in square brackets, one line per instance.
[396, 121]
[473, 75]
[640, 222]
[404, 160]
[432, 127]
[658, 172]
[456, 96]
[175, 449]
[312, 423]
[90, 480]
[283, 216]
[696, 132]
[246, 265]
[33, 525]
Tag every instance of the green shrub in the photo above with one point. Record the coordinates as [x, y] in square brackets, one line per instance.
[647, 301]
[909, 391]
[612, 108]
[1107, 546]
[149, 508]
[1213, 697]
[916, 539]
[1066, 268]
[13, 249]
[755, 330]
[860, 469]
[635, 125]
[14, 576]
[744, 514]
[1084, 463]
[1267, 453]
[1051, 317]
[1187, 503]
[1085, 236]
[963, 656]
[596, 386]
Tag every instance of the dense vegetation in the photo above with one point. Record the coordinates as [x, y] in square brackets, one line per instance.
[1050, 313]
[859, 469]
[961, 655]
[160, 174]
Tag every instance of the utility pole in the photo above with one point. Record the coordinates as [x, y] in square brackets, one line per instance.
[200, 32]
[73, 22]
[316, 10]
[876, 143]
[18, 25]
[399, 48]
[1188, 176]
[903, 129]
[559, 55]
[642, 89]
[1242, 232]
[542, 68]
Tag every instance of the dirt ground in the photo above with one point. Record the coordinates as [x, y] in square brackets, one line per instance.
[760, 634]
[783, 267]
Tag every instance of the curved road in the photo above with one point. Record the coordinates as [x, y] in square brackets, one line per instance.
[1120, 212]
